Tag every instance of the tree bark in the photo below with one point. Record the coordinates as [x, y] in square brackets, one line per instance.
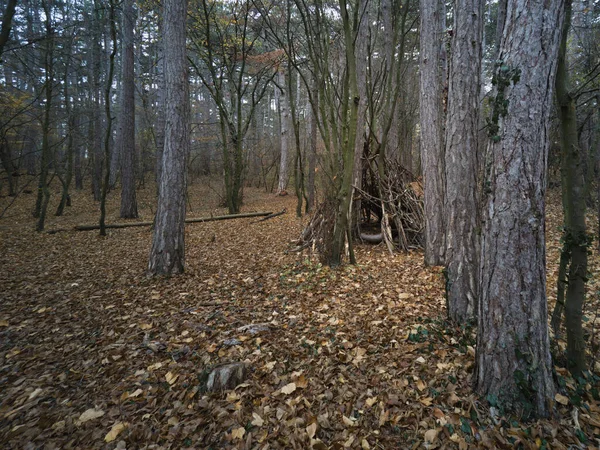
[575, 239]
[7, 17]
[312, 152]
[284, 120]
[127, 123]
[432, 127]
[461, 161]
[167, 255]
[513, 362]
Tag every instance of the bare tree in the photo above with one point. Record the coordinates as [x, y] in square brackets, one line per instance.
[513, 362]
[167, 255]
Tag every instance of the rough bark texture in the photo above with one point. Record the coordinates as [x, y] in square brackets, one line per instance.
[167, 255]
[462, 239]
[574, 205]
[432, 127]
[513, 353]
[127, 122]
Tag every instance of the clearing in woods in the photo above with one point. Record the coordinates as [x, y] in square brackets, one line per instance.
[93, 354]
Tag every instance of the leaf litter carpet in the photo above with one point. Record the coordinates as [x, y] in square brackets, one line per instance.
[94, 354]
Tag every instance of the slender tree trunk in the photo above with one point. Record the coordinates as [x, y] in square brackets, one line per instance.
[312, 153]
[68, 176]
[284, 114]
[43, 198]
[513, 362]
[127, 139]
[168, 244]
[109, 119]
[462, 239]
[575, 239]
[96, 68]
[160, 118]
[78, 156]
[432, 127]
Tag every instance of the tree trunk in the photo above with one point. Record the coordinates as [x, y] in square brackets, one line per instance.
[461, 161]
[43, 197]
[513, 362]
[312, 153]
[107, 112]
[95, 68]
[351, 102]
[432, 127]
[575, 239]
[127, 139]
[160, 118]
[284, 119]
[167, 255]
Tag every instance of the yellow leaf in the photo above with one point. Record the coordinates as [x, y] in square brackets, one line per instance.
[371, 401]
[365, 444]
[115, 431]
[3, 323]
[301, 382]
[288, 388]
[238, 433]
[146, 326]
[171, 378]
[421, 385]
[561, 399]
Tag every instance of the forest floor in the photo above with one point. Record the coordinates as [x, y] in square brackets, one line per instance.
[94, 354]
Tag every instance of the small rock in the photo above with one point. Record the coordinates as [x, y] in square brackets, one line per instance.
[226, 376]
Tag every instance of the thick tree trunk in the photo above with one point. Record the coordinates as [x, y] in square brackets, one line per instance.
[513, 361]
[127, 123]
[575, 240]
[432, 127]
[461, 162]
[168, 242]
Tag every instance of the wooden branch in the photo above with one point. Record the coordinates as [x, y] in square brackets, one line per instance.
[89, 227]
[270, 216]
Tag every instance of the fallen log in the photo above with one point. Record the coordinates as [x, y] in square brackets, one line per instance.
[270, 216]
[90, 227]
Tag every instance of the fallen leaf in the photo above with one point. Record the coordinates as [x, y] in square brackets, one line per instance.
[561, 399]
[257, 421]
[311, 430]
[146, 326]
[171, 378]
[88, 415]
[238, 433]
[431, 436]
[288, 388]
[351, 422]
[116, 429]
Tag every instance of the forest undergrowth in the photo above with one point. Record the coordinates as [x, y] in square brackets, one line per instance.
[94, 354]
